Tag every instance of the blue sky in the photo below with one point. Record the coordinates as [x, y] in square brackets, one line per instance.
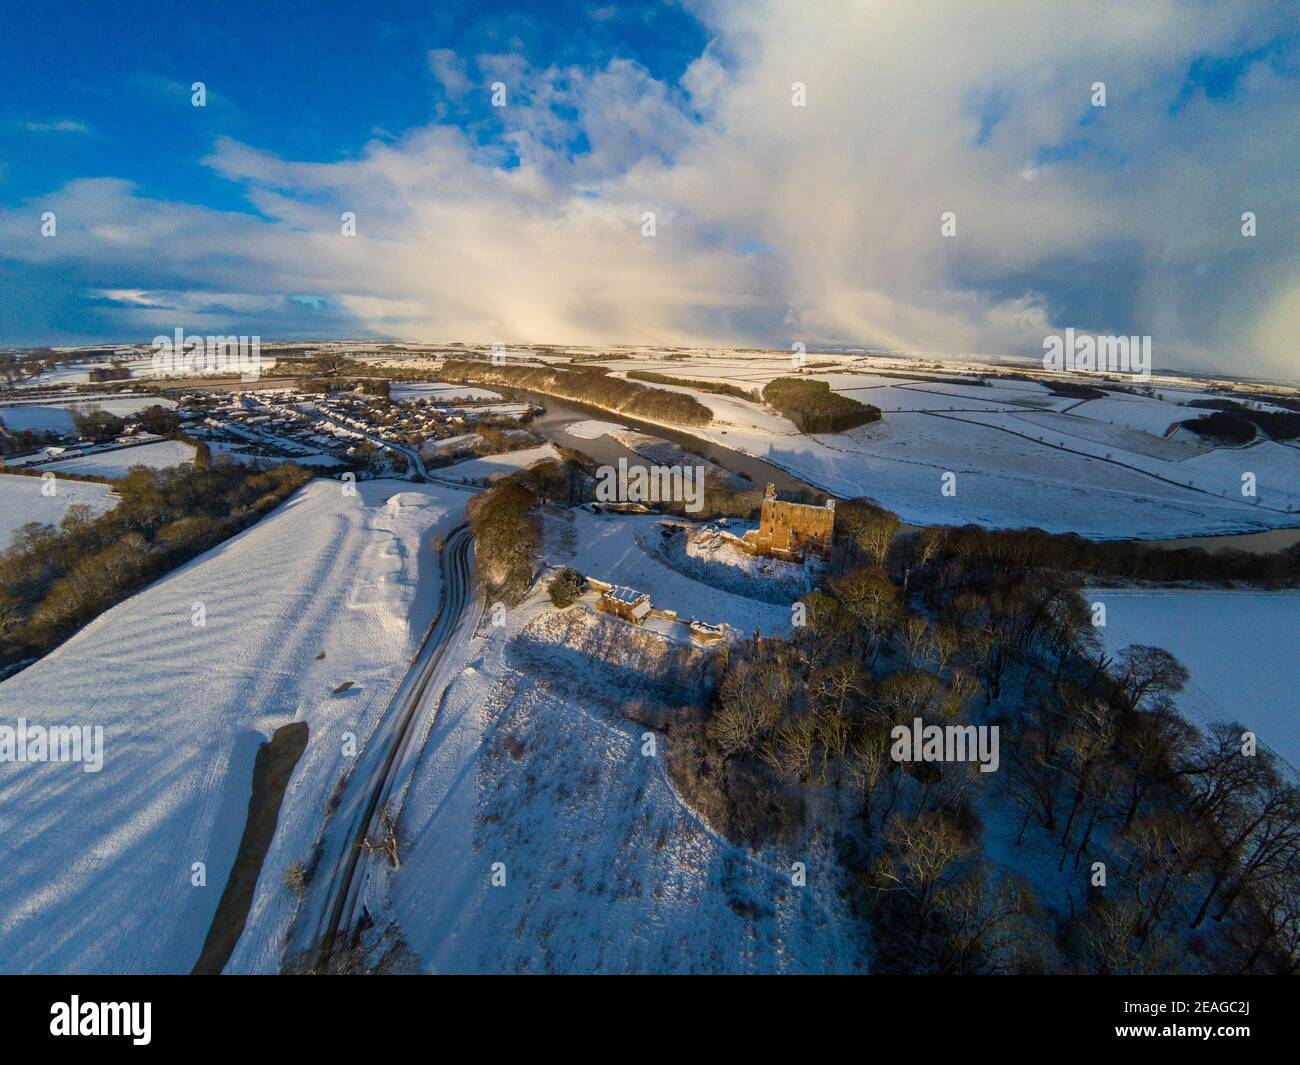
[307, 80]
[775, 223]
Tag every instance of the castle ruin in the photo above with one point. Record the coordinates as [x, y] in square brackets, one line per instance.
[792, 531]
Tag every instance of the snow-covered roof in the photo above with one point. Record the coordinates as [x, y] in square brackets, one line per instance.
[630, 596]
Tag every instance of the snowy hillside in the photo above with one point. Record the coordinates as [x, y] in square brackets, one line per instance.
[606, 870]
[329, 589]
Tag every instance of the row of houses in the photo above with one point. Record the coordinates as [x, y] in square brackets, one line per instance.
[61, 452]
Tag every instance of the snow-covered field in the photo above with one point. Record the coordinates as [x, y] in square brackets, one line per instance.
[78, 373]
[438, 391]
[21, 501]
[117, 463]
[74, 374]
[1105, 468]
[33, 417]
[508, 410]
[1240, 648]
[52, 416]
[1147, 415]
[606, 869]
[896, 395]
[493, 466]
[592, 428]
[97, 873]
[449, 445]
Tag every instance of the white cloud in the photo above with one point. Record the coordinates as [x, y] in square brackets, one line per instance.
[777, 223]
[449, 69]
[66, 125]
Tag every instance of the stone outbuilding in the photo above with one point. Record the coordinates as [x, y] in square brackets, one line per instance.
[625, 603]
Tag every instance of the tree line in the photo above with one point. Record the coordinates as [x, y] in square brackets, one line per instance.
[598, 389]
[814, 408]
[507, 525]
[1019, 550]
[721, 388]
[55, 579]
[1235, 423]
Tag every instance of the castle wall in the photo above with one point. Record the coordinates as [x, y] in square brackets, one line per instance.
[789, 530]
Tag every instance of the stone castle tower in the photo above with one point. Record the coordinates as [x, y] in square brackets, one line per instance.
[792, 531]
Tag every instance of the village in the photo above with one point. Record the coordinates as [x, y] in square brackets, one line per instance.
[361, 427]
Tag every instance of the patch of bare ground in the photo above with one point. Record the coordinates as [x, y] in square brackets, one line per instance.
[272, 769]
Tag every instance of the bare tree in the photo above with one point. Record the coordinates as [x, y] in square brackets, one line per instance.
[385, 842]
[790, 750]
[752, 697]
[1274, 937]
[1161, 853]
[867, 530]
[1086, 747]
[917, 853]
[1261, 833]
[912, 633]
[835, 687]
[1150, 747]
[990, 922]
[930, 543]
[1035, 769]
[1105, 941]
[871, 600]
[1149, 676]
[902, 697]
[868, 765]
[945, 643]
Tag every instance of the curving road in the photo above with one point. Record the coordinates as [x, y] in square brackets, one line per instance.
[383, 767]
